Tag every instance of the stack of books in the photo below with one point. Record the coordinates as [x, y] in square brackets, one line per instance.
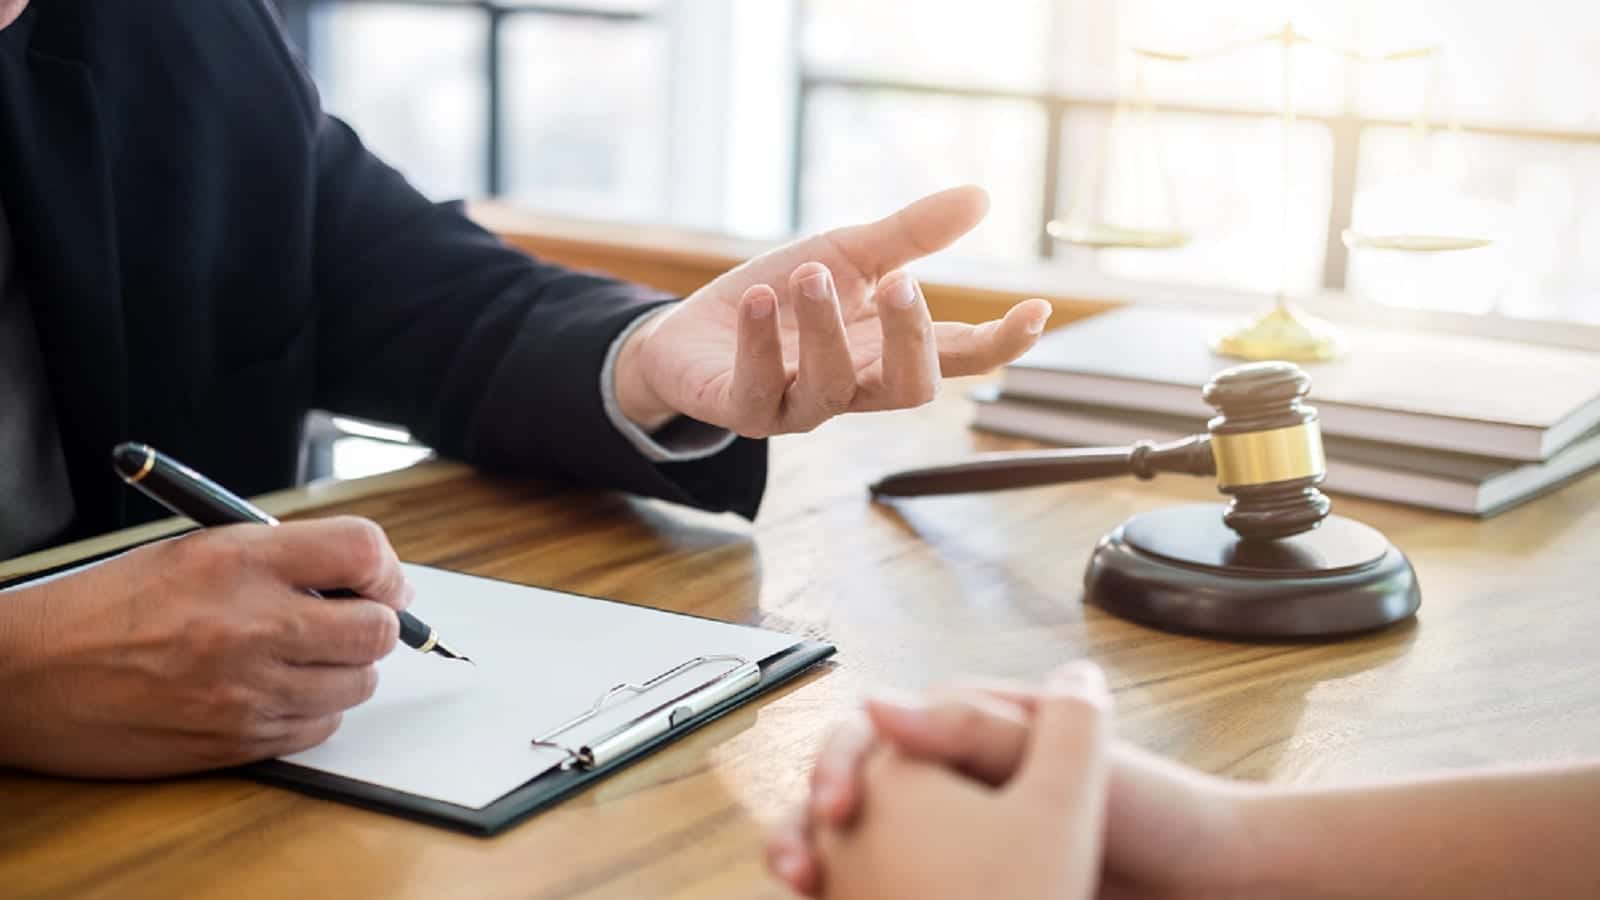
[1464, 424]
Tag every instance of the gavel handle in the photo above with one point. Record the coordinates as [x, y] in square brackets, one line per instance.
[1004, 471]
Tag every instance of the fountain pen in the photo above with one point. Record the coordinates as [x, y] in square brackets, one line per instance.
[188, 493]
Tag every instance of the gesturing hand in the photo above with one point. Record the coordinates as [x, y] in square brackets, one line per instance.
[817, 328]
[197, 653]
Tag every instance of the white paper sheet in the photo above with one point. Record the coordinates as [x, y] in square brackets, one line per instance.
[458, 733]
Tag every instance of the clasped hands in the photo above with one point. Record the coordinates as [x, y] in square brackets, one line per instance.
[817, 328]
[1005, 790]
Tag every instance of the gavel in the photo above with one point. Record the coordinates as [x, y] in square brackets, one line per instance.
[1264, 447]
[1274, 562]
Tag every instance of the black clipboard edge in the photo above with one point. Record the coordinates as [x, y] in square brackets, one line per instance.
[535, 796]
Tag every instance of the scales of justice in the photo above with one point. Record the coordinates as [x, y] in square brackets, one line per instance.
[1273, 562]
[1284, 331]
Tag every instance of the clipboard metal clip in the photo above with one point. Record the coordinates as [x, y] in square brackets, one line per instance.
[657, 721]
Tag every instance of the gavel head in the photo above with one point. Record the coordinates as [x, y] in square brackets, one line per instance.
[1268, 450]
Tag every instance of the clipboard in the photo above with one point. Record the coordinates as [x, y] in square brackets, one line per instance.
[543, 791]
[729, 682]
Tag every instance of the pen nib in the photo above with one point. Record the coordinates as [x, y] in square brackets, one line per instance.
[447, 653]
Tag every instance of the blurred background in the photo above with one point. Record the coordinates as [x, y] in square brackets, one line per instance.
[762, 118]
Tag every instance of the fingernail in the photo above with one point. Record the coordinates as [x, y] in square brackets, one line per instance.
[788, 864]
[408, 596]
[815, 285]
[900, 292]
[897, 701]
[897, 716]
[829, 797]
[761, 306]
[1037, 325]
[1080, 674]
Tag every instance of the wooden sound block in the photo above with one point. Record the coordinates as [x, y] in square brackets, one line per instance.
[1182, 569]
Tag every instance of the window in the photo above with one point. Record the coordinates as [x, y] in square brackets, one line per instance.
[767, 117]
[581, 139]
[416, 96]
[901, 96]
[475, 98]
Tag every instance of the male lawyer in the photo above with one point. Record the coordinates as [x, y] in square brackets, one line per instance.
[193, 254]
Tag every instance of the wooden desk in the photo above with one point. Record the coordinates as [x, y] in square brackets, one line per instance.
[1500, 666]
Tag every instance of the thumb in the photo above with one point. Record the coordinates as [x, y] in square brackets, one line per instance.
[1066, 765]
[976, 733]
[925, 227]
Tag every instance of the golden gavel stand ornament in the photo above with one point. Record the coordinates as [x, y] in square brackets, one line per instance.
[1271, 563]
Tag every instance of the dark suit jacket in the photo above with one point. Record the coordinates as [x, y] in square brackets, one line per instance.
[210, 255]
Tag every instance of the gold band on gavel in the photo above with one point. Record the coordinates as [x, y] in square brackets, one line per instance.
[1263, 457]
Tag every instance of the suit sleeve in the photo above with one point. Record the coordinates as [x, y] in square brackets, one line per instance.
[486, 354]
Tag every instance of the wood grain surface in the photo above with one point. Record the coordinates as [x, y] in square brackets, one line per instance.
[1499, 666]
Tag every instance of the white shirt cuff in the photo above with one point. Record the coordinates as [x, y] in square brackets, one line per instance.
[681, 440]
